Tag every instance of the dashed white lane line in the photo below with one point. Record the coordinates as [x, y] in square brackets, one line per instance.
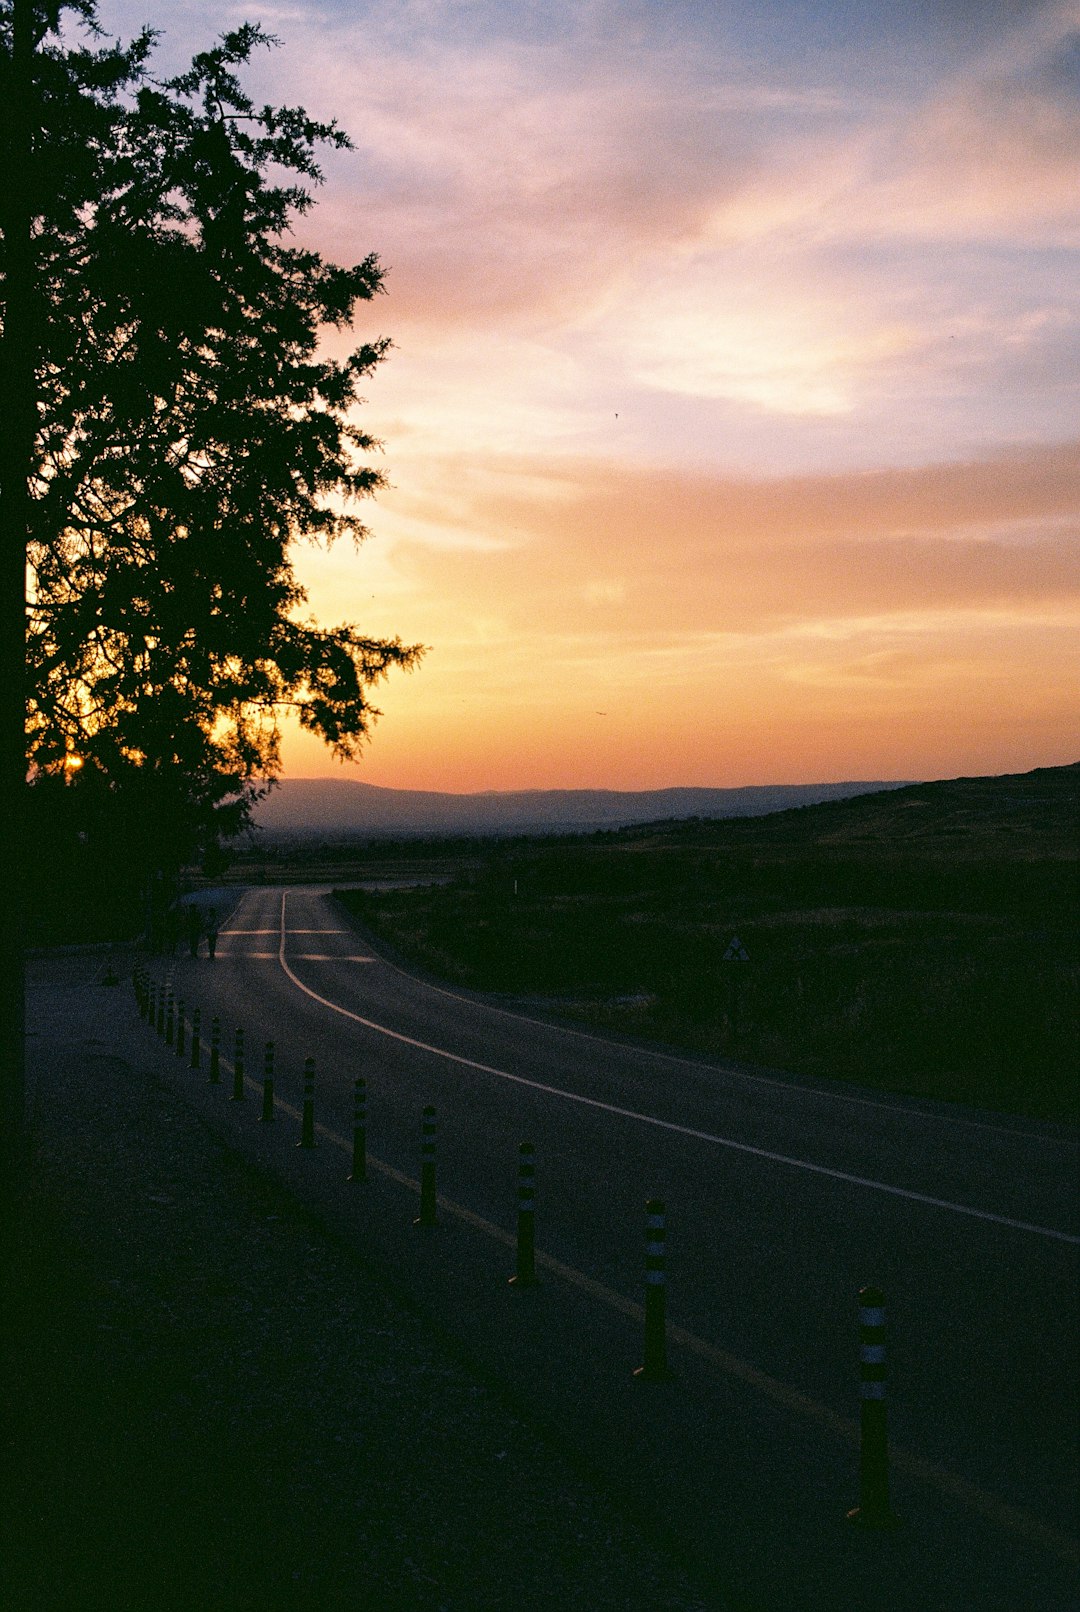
[300, 957]
[329, 957]
[728, 1142]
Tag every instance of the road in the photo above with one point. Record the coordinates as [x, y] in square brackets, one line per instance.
[783, 1201]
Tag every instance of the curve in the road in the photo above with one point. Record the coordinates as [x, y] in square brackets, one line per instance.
[1023, 1524]
[807, 1165]
[743, 1076]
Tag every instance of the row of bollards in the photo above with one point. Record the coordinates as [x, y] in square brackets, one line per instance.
[166, 1015]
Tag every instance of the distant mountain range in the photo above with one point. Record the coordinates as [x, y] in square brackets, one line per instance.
[343, 808]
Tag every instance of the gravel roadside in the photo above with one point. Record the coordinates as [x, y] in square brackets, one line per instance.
[218, 1405]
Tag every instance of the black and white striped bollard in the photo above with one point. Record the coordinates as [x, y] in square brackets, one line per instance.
[196, 1045]
[655, 1368]
[359, 1131]
[170, 1017]
[181, 1030]
[215, 1050]
[267, 1115]
[426, 1217]
[307, 1122]
[525, 1265]
[238, 1068]
[873, 1510]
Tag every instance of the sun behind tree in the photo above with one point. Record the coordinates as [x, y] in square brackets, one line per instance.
[190, 430]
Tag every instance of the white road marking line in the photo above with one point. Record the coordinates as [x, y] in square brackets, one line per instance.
[748, 1079]
[327, 957]
[670, 1125]
[891, 1107]
[300, 957]
[1014, 1518]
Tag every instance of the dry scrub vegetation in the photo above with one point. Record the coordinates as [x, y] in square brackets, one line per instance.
[923, 940]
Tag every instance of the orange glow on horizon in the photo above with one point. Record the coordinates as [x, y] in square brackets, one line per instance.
[648, 629]
[725, 409]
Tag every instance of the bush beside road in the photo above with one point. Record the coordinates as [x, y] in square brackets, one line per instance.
[922, 941]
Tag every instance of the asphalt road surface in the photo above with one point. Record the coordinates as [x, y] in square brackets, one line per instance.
[783, 1200]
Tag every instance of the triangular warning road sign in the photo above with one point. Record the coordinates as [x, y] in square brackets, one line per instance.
[736, 952]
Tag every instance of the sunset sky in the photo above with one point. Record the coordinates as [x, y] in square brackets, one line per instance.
[733, 419]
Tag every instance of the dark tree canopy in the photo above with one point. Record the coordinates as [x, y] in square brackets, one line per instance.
[190, 429]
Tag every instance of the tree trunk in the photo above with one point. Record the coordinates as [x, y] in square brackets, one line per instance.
[18, 417]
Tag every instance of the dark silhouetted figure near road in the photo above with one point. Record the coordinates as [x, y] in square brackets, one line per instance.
[211, 931]
[193, 921]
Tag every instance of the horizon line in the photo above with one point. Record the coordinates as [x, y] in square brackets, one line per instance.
[608, 789]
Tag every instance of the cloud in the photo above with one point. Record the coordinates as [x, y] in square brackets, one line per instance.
[987, 151]
[909, 622]
[733, 349]
[510, 190]
[761, 211]
[660, 557]
[799, 351]
[989, 160]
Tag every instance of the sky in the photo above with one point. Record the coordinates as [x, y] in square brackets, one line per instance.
[733, 415]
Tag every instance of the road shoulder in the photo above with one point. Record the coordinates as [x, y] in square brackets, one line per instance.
[218, 1406]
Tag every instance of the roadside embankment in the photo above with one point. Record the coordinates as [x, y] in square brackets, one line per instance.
[219, 1406]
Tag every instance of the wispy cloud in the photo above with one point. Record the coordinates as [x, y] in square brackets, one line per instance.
[735, 345]
[681, 604]
[690, 551]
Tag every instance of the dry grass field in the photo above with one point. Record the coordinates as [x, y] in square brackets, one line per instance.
[923, 940]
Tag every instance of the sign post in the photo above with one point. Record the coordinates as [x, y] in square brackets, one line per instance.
[736, 954]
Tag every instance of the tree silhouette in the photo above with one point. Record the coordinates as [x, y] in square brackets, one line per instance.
[191, 430]
[173, 422]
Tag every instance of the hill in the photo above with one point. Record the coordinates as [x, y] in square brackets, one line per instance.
[342, 808]
[1014, 815]
[923, 940]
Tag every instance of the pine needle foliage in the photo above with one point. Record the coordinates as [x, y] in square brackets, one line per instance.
[194, 424]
